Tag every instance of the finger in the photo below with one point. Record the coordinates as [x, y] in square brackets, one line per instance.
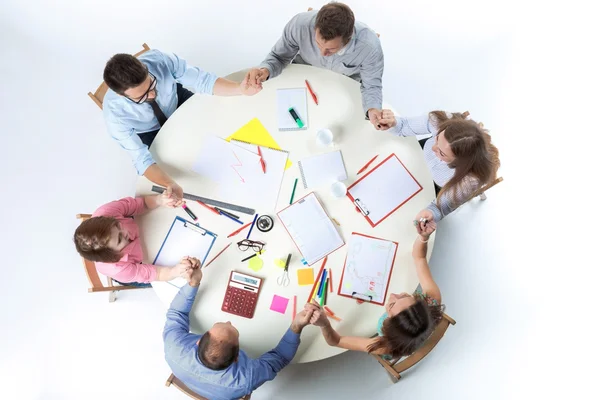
[169, 191]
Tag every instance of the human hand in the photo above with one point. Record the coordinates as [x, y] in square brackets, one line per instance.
[195, 273]
[247, 89]
[375, 116]
[388, 120]
[173, 196]
[182, 269]
[424, 223]
[319, 317]
[301, 320]
[256, 76]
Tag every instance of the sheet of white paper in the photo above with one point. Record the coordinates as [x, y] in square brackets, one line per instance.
[295, 98]
[322, 169]
[384, 189]
[184, 239]
[311, 228]
[368, 267]
[222, 162]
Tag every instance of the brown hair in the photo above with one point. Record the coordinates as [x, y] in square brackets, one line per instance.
[124, 71]
[335, 20]
[216, 355]
[475, 155]
[91, 239]
[405, 332]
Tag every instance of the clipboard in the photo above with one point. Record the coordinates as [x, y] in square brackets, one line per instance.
[310, 228]
[383, 190]
[377, 256]
[184, 238]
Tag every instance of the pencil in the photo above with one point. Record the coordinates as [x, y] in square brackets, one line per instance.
[239, 230]
[329, 310]
[293, 191]
[294, 309]
[312, 292]
[367, 165]
[252, 226]
[324, 292]
[330, 282]
[218, 254]
[338, 319]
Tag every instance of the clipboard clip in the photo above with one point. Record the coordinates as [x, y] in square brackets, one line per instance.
[361, 297]
[193, 227]
[361, 207]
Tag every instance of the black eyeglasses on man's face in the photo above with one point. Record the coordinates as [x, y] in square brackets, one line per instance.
[144, 97]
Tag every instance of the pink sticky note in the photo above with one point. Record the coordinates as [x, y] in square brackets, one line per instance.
[279, 304]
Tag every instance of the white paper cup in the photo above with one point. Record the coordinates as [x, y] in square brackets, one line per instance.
[338, 189]
[324, 137]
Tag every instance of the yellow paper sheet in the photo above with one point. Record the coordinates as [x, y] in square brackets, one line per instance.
[254, 132]
[306, 276]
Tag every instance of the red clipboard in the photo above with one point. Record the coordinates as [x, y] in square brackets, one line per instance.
[362, 208]
[361, 297]
[288, 232]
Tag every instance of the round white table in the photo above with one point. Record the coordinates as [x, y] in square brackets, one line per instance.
[339, 109]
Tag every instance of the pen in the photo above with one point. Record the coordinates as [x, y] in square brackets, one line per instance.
[226, 212]
[253, 255]
[293, 191]
[262, 161]
[296, 117]
[230, 217]
[311, 92]
[215, 257]
[207, 206]
[239, 230]
[252, 226]
[367, 165]
[190, 213]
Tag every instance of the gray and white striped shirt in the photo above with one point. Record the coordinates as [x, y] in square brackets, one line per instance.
[424, 125]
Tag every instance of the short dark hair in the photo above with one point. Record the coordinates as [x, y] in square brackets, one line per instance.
[335, 20]
[91, 239]
[216, 355]
[124, 71]
[405, 332]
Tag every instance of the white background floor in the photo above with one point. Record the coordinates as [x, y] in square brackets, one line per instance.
[512, 270]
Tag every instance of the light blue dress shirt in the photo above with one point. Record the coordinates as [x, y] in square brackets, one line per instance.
[125, 119]
[240, 378]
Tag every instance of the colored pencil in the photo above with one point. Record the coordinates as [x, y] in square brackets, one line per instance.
[239, 230]
[312, 292]
[333, 317]
[329, 310]
[293, 191]
[230, 217]
[324, 293]
[294, 310]
[252, 226]
[322, 282]
[218, 254]
[207, 206]
[227, 212]
[331, 282]
[367, 165]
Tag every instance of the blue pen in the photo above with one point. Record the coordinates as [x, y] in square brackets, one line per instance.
[319, 293]
[252, 226]
[230, 217]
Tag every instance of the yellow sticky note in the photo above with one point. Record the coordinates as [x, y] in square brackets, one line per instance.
[254, 132]
[306, 276]
[255, 264]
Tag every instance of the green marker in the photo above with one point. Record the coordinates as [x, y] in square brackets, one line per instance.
[296, 117]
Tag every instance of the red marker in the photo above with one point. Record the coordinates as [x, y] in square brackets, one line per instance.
[262, 160]
[209, 207]
[311, 92]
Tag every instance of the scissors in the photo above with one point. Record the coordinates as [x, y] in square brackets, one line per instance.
[284, 279]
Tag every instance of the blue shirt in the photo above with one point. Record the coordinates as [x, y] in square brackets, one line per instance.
[240, 378]
[125, 119]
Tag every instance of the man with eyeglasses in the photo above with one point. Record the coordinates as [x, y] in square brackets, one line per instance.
[143, 93]
[330, 39]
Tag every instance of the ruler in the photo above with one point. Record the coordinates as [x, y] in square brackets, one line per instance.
[245, 210]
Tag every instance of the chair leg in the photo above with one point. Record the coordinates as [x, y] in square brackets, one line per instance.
[112, 296]
[482, 196]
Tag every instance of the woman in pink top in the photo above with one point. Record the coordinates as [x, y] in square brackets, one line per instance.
[111, 239]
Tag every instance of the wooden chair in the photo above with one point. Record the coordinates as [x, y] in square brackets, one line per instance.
[173, 380]
[395, 367]
[481, 191]
[94, 279]
[98, 95]
[310, 9]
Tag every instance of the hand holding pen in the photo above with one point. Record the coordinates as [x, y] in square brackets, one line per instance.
[424, 223]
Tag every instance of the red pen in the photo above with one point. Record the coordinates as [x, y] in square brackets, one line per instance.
[215, 257]
[262, 161]
[367, 165]
[209, 207]
[239, 230]
[311, 92]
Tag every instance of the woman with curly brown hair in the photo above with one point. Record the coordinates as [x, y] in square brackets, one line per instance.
[460, 156]
[408, 319]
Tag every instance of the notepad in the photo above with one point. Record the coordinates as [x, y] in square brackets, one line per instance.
[306, 276]
[322, 169]
[310, 228]
[383, 190]
[184, 239]
[368, 268]
[279, 304]
[291, 98]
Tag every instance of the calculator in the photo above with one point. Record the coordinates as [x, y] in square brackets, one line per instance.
[241, 295]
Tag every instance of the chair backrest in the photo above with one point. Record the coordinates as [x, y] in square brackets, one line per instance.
[173, 380]
[395, 367]
[98, 95]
